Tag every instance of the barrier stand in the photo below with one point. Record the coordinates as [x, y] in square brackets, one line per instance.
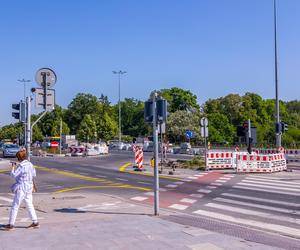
[219, 160]
[261, 163]
[139, 155]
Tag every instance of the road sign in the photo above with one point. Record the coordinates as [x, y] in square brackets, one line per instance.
[204, 132]
[54, 144]
[49, 75]
[50, 99]
[189, 134]
[162, 126]
[204, 122]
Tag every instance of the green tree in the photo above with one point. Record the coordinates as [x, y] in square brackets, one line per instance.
[87, 130]
[180, 99]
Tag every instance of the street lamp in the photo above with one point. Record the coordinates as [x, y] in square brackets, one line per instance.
[277, 131]
[120, 72]
[24, 81]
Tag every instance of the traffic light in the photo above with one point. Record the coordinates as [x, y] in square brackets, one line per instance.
[16, 115]
[161, 106]
[278, 127]
[240, 131]
[284, 127]
[21, 108]
[148, 111]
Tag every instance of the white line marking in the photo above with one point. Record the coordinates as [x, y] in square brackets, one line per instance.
[216, 184]
[273, 182]
[266, 191]
[204, 191]
[265, 177]
[231, 175]
[262, 199]
[197, 195]
[211, 187]
[236, 209]
[171, 186]
[243, 203]
[187, 200]
[186, 180]
[163, 189]
[86, 174]
[269, 186]
[193, 178]
[178, 206]
[139, 198]
[220, 181]
[120, 179]
[149, 193]
[198, 175]
[270, 183]
[101, 176]
[272, 227]
[225, 178]
[145, 183]
[5, 199]
[178, 182]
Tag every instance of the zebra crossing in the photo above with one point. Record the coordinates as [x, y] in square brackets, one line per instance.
[264, 202]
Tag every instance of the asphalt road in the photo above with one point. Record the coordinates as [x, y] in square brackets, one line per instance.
[238, 204]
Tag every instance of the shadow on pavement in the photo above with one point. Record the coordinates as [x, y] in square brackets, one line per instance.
[75, 210]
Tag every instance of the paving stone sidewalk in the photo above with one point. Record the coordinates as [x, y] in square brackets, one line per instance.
[90, 221]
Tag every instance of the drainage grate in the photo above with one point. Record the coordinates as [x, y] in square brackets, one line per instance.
[236, 231]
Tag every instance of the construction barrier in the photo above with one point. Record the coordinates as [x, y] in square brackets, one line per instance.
[291, 155]
[261, 163]
[139, 155]
[219, 160]
[77, 150]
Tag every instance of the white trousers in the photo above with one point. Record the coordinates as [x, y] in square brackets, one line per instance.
[20, 195]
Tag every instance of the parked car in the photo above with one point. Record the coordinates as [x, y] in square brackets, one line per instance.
[185, 148]
[9, 150]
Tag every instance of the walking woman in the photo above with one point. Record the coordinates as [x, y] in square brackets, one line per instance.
[22, 189]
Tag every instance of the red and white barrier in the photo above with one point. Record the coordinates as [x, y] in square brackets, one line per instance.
[291, 155]
[77, 150]
[261, 163]
[139, 156]
[219, 160]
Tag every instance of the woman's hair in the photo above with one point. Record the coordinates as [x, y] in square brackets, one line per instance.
[21, 155]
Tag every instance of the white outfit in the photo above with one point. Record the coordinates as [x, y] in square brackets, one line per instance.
[22, 189]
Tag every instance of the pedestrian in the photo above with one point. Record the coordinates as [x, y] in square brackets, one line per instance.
[23, 172]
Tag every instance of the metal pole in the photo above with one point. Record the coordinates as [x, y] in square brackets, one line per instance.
[205, 145]
[24, 82]
[120, 133]
[278, 135]
[28, 130]
[155, 140]
[161, 147]
[60, 133]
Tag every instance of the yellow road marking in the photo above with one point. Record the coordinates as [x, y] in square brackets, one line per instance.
[90, 187]
[123, 169]
[69, 174]
[4, 171]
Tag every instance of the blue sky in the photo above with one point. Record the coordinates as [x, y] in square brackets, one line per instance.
[210, 47]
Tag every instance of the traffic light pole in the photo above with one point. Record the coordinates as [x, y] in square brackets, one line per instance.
[155, 140]
[28, 126]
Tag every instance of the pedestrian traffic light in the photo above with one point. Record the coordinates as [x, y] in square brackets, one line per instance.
[161, 106]
[21, 108]
[148, 111]
[278, 128]
[284, 127]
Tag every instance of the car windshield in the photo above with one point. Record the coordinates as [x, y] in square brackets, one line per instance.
[11, 146]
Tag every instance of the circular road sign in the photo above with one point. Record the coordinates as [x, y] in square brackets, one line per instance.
[204, 122]
[50, 77]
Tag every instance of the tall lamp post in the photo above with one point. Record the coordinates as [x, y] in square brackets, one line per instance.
[277, 130]
[24, 81]
[119, 73]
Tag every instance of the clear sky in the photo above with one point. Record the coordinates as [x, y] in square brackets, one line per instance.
[210, 47]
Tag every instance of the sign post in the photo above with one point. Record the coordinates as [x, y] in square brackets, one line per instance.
[155, 112]
[204, 133]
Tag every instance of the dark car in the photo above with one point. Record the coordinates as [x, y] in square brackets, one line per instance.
[9, 150]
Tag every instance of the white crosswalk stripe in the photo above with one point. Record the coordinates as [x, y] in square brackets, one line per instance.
[259, 201]
[2, 198]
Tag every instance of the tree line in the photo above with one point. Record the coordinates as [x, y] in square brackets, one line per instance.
[93, 118]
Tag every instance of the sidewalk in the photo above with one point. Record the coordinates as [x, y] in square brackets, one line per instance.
[95, 221]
